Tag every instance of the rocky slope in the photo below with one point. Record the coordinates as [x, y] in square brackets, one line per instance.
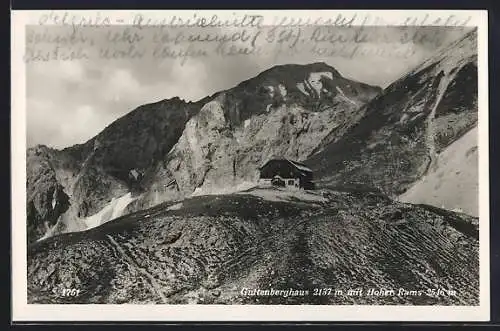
[406, 127]
[167, 150]
[208, 249]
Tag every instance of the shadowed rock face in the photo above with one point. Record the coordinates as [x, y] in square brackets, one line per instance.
[178, 147]
[404, 129]
[207, 249]
[92, 174]
[46, 199]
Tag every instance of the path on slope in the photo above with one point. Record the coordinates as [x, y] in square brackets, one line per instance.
[155, 288]
[208, 249]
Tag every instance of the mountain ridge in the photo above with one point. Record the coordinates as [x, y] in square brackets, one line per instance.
[406, 126]
[175, 221]
[147, 140]
[350, 133]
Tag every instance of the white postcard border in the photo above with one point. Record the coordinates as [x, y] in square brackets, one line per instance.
[22, 311]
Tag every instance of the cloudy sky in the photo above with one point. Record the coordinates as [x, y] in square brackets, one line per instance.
[68, 102]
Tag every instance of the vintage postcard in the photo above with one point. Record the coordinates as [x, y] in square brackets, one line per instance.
[250, 165]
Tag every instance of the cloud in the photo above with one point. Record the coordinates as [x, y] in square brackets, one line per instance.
[61, 128]
[120, 83]
[39, 112]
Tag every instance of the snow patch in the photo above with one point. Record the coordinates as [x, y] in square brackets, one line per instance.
[54, 199]
[177, 206]
[114, 209]
[453, 183]
[282, 90]
[342, 94]
[247, 123]
[270, 91]
[121, 204]
[302, 89]
[315, 80]
[134, 173]
[223, 190]
[48, 233]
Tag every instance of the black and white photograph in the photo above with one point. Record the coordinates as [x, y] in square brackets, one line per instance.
[251, 158]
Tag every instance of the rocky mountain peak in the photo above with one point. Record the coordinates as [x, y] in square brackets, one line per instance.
[294, 111]
[293, 72]
[179, 147]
